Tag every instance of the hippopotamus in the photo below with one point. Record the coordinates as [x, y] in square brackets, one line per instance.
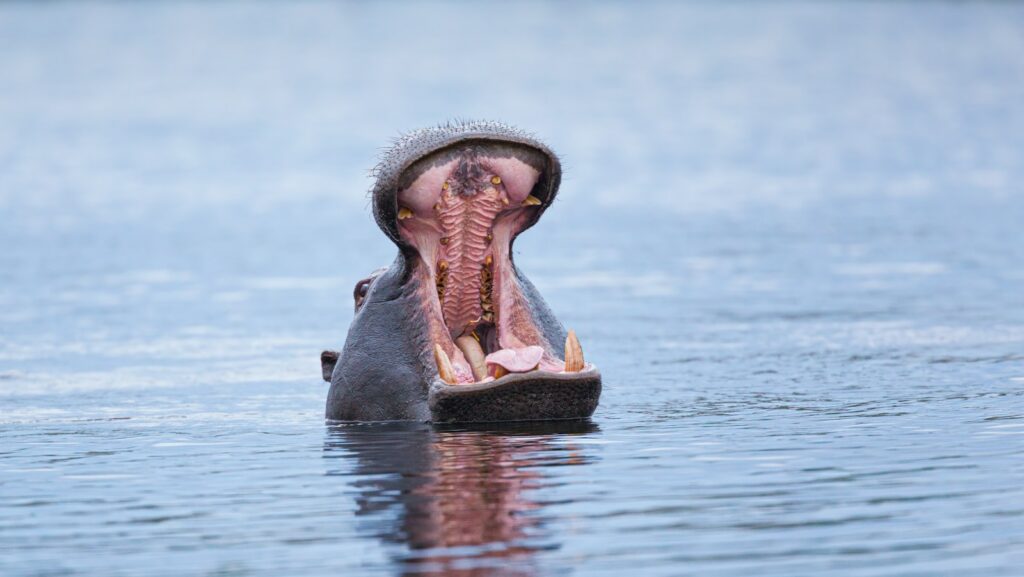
[453, 331]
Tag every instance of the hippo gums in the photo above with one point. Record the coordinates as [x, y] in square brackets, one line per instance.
[452, 330]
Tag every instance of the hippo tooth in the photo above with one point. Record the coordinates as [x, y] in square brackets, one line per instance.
[404, 213]
[531, 201]
[499, 371]
[474, 353]
[573, 353]
[444, 365]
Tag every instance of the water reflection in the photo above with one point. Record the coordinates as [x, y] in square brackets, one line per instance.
[456, 500]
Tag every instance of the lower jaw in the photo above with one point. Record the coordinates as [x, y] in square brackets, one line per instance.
[481, 359]
[534, 396]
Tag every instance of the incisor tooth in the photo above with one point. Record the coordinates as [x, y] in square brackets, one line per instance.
[444, 365]
[499, 371]
[474, 354]
[404, 213]
[573, 353]
[531, 201]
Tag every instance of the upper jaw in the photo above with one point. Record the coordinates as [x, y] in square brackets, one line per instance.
[414, 146]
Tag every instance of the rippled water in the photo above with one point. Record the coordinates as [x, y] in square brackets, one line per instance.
[790, 236]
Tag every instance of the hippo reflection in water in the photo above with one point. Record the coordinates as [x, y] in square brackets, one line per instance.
[462, 500]
[452, 330]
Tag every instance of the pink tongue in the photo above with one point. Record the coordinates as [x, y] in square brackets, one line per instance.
[519, 360]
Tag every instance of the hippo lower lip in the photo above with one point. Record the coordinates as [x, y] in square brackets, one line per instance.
[453, 331]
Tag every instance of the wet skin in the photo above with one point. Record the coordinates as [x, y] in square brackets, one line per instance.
[452, 330]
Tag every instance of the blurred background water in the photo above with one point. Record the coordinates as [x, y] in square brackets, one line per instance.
[789, 235]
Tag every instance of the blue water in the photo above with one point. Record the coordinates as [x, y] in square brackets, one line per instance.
[789, 235]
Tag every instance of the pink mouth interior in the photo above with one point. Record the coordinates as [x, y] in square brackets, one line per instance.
[461, 216]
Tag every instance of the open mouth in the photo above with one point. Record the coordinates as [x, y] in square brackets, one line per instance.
[460, 208]
[453, 331]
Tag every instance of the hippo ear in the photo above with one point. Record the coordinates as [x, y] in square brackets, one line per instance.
[327, 361]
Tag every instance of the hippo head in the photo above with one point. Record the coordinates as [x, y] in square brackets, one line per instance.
[452, 330]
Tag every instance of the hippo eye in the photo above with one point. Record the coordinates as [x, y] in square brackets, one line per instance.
[495, 180]
[361, 290]
[362, 287]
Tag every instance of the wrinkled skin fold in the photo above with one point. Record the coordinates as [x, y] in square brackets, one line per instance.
[452, 331]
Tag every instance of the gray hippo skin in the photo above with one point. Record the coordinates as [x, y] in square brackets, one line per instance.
[452, 331]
